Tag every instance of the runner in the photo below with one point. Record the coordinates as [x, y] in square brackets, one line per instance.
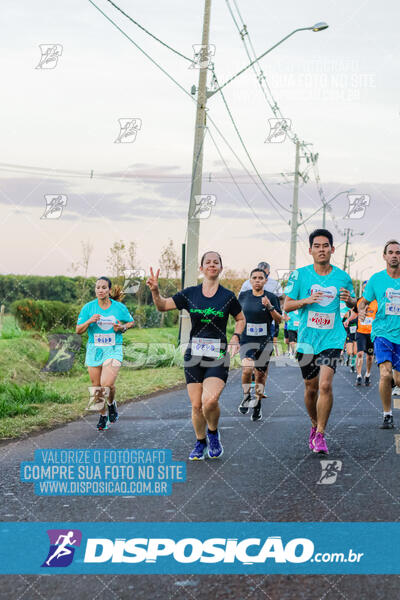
[106, 319]
[384, 287]
[363, 340]
[206, 359]
[316, 290]
[292, 327]
[261, 309]
[350, 324]
[273, 286]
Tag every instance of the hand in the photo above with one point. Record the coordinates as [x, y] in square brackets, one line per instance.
[94, 319]
[315, 297]
[266, 302]
[152, 281]
[234, 345]
[362, 313]
[344, 295]
[346, 323]
[118, 326]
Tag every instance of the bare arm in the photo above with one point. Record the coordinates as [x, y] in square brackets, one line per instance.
[84, 326]
[277, 317]
[233, 345]
[162, 304]
[291, 304]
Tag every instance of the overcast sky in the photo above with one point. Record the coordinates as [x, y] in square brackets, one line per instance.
[338, 87]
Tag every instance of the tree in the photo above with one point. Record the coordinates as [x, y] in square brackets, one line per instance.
[117, 258]
[131, 253]
[82, 286]
[169, 260]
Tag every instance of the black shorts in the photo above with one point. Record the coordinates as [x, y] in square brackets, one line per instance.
[310, 364]
[285, 334]
[292, 335]
[364, 343]
[198, 368]
[351, 337]
[260, 355]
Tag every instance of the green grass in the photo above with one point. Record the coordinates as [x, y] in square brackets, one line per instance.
[10, 329]
[31, 400]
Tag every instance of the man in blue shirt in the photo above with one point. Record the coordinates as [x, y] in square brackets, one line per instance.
[384, 287]
[316, 291]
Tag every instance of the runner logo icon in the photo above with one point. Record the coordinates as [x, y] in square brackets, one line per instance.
[62, 547]
[330, 470]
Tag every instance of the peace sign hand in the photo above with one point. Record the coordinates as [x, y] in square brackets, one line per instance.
[152, 281]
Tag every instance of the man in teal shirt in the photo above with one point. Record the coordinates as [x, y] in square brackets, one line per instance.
[384, 287]
[316, 291]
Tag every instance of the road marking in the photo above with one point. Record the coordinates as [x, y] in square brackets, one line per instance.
[397, 442]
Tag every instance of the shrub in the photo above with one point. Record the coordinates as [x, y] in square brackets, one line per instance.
[45, 314]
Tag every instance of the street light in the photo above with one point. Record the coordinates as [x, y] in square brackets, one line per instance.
[317, 27]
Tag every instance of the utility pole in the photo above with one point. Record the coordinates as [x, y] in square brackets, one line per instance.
[347, 248]
[193, 224]
[295, 211]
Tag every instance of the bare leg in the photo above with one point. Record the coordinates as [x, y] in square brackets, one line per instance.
[370, 358]
[311, 397]
[212, 389]
[359, 364]
[385, 385]
[195, 391]
[260, 384]
[325, 398]
[247, 370]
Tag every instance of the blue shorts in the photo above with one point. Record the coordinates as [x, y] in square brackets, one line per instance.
[97, 355]
[385, 350]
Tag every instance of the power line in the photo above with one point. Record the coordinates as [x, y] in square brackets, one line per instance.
[148, 32]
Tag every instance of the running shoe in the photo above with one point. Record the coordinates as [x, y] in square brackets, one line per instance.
[103, 423]
[352, 369]
[199, 451]
[112, 412]
[319, 444]
[215, 449]
[387, 422]
[257, 413]
[359, 380]
[243, 407]
[313, 431]
[367, 380]
[396, 391]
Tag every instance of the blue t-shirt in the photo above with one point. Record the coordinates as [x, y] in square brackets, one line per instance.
[320, 326]
[102, 332]
[386, 291]
[294, 320]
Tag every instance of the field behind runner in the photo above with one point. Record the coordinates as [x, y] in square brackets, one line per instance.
[58, 398]
[31, 400]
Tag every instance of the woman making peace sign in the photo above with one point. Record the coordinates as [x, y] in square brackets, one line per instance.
[207, 357]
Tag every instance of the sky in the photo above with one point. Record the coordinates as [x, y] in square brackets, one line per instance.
[60, 129]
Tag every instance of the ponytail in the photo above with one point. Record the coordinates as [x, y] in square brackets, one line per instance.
[117, 294]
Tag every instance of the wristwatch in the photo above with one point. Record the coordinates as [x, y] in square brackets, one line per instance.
[271, 309]
[123, 330]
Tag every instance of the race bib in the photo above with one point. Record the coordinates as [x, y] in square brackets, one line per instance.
[353, 328]
[257, 329]
[104, 339]
[105, 323]
[206, 347]
[392, 309]
[318, 320]
[296, 323]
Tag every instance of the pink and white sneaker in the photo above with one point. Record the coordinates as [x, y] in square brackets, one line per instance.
[313, 431]
[319, 444]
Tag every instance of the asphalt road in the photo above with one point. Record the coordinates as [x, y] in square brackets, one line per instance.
[266, 473]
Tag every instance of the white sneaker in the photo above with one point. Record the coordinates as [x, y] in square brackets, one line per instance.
[396, 391]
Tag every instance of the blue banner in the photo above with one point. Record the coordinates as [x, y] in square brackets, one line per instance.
[199, 548]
